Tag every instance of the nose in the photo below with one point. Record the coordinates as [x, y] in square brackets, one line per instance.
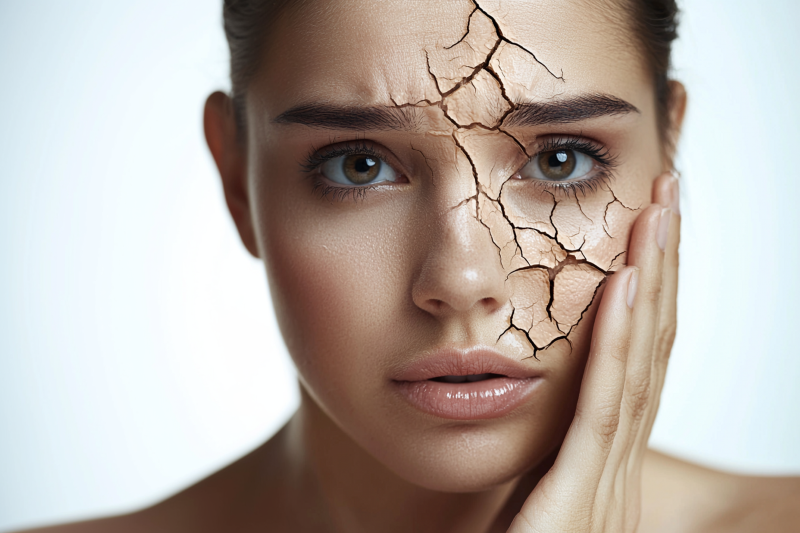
[461, 273]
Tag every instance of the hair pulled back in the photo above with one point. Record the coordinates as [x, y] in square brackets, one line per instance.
[248, 22]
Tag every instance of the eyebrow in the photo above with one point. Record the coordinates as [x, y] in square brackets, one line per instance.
[574, 109]
[387, 118]
[333, 117]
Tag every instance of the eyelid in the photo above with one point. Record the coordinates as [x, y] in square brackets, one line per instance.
[594, 149]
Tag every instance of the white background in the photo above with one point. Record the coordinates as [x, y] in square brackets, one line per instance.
[138, 350]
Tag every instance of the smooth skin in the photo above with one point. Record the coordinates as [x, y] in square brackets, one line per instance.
[354, 458]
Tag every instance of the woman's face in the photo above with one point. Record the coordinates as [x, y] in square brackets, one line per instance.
[438, 190]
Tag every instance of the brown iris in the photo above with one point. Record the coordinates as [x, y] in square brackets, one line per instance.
[360, 168]
[557, 164]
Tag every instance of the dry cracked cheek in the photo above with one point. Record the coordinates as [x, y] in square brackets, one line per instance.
[556, 247]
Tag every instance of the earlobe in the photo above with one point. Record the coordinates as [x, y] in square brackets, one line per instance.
[229, 154]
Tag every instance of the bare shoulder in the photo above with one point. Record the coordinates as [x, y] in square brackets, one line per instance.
[131, 523]
[167, 516]
[678, 496]
[220, 502]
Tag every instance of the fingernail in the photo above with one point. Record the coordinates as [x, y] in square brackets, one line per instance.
[633, 284]
[675, 203]
[663, 229]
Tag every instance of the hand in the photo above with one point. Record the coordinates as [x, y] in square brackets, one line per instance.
[595, 484]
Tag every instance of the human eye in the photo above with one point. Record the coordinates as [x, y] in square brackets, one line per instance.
[358, 170]
[568, 163]
[358, 165]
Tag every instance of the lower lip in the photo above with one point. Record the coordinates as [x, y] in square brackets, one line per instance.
[491, 398]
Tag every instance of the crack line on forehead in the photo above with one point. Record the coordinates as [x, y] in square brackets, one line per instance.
[502, 38]
[466, 32]
[418, 103]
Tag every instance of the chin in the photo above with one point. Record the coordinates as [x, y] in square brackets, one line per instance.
[472, 457]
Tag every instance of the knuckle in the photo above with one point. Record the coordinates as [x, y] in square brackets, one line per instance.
[623, 349]
[651, 293]
[605, 423]
[620, 354]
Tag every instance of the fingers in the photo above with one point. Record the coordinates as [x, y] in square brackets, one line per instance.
[668, 193]
[658, 329]
[649, 240]
[649, 235]
[665, 192]
[583, 455]
[644, 252]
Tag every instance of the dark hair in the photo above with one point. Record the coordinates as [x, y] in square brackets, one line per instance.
[655, 24]
[247, 23]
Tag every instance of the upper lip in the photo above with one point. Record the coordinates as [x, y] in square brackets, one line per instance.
[464, 362]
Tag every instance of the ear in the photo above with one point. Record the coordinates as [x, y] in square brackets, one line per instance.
[229, 152]
[676, 113]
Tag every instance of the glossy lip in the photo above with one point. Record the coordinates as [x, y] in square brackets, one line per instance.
[491, 398]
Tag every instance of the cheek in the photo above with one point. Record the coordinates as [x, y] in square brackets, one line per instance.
[336, 283]
[559, 249]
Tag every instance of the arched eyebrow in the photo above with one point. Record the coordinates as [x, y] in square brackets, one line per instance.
[334, 117]
[388, 118]
[568, 110]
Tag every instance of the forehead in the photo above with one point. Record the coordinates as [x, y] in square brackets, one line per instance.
[358, 52]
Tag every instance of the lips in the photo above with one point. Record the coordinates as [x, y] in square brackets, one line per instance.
[473, 384]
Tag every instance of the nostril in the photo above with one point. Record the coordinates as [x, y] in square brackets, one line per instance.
[438, 306]
[435, 305]
[490, 303]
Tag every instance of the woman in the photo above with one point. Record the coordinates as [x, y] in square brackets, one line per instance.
[470, 225]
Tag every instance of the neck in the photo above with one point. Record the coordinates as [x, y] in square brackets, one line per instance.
[355, 492]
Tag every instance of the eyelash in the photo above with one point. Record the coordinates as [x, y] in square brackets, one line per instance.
[607, 162]
[315, 158]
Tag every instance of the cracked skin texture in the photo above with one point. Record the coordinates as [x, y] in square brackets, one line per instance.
[479, 79]
[347, 278]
